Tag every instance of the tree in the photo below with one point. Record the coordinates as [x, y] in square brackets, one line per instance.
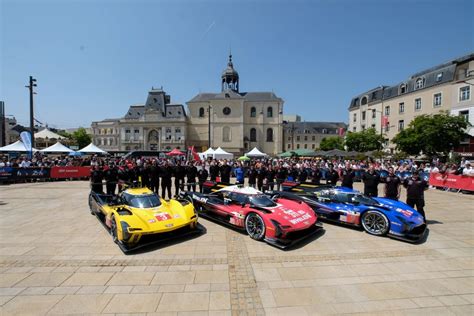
[433, 135]
[365, 140]
[81, 137]
[330, 143]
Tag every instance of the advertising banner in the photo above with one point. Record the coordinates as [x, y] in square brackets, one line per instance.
[70, 172]
[452, 181]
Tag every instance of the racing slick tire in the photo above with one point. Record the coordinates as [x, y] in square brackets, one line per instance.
[114, 229]
[255, 226]
[375, 223]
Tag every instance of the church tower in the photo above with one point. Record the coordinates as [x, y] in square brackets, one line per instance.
[230, 77]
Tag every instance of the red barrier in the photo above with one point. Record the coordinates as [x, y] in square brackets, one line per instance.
[452, 181]
[70, 172]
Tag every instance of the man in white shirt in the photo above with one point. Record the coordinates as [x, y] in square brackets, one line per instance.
[468, 170]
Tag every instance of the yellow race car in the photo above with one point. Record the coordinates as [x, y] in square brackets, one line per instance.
[137, 217]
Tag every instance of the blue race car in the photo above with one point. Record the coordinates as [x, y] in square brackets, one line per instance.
[377, 216]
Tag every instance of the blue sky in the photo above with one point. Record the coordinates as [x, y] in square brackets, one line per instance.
[93, 59]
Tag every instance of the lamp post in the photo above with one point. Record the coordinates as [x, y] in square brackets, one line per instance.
[31, 86]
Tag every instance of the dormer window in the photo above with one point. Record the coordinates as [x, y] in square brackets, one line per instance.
[403, 88]
[363, 101]
[201, 112]
[439, 77]
[419, 84]
[155, 100]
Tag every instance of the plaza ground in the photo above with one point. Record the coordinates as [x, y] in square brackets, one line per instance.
[55, 258]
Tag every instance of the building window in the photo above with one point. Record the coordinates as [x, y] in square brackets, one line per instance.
[177, 130]
[373, 125]
[374, 114]
[253, 112]
[363, 115]
[419, 83]
[324, 131]
[403, 88]
[226, 136]
[269, 135]
[288, 146]
[355, 117]
[439, 77]
[201, 112]
[306, 138]
[313, 138]
[297, 138]
[136, 131]
[387, 110]
[418, 104]
[401, 125]
[127, 131]
[313, 146]
[363, 127]
[363, 101]
[437, 100]
[269, 111]
[168, 130]
[464, 93]
[297, 146]
[253, 135]
[289, 138]
[305, 146]
[354, 129]
[401, 107]
[226, 110]
[464, 114]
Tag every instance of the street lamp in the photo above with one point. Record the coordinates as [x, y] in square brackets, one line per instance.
[31, 86]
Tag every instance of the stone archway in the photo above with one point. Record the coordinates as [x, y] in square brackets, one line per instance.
[153, 140]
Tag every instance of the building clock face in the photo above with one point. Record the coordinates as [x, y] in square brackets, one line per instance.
[226, 110]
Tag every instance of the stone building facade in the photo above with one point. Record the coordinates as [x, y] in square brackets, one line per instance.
[236, 121]
[389, 109]
[156, 125]
[308, 135]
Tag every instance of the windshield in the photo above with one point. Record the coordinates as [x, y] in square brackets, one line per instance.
[261, 200]
[142, 201]
[342, 197]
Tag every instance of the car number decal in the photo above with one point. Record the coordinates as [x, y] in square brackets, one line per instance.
[162, 216]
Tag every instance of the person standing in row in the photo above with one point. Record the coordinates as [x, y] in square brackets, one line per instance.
[239, 174]
[371, 181]
[392, 185]
[332, 176]
[111, 178]
[154, 177]
[225, 171]
[416, 192]
[260, 177]
[214, 171]
[281, 175]
[166, 172]
[191, 173]
[179, 174]
[270, 178]
[202, 177]
[252, 175]
[96, 180]
[347, 175]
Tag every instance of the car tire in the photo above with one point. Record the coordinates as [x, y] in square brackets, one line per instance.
[114, 229]
[255, 226]
[375, 223]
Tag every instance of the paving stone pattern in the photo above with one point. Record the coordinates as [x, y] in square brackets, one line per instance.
[56, 259]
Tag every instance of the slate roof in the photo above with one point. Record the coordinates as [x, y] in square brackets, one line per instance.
[135, 111]
[247, 96]
[315, 127]
[433, 76]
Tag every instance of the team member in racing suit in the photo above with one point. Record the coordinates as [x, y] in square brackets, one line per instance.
[281, 174]
[347, 175]
[111, 178]
[415, 192]
[214, 171]
[371, 181]
[154, 177]
[392, 185]
[166, 171]
[332, 176]
[191, 173]
[225, 171]
[202, 177]
[179, 174]
[252, 175]
[96, 180]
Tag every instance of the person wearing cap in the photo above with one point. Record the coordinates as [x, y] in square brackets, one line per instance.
[415, 192]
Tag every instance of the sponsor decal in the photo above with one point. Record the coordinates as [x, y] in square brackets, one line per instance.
[407, 213]
[169, 225]
[152, 220]
[162, 216]
[350, 217]
[199, 198]
[300, 219]
[177, 216]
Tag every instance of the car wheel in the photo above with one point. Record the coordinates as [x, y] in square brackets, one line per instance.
[113, 229]
[375, 223]
[255, 226]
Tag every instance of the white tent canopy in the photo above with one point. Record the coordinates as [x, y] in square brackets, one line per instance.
[92, 149]
[255, 153]
[46, 133]
[57, 148]
[17, 146]
[208, 152]
[220, 153]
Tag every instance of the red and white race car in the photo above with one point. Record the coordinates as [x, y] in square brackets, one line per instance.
[279, 222]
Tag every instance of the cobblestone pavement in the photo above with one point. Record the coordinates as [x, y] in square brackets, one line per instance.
[55, 258]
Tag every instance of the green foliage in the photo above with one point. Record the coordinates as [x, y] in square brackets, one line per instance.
[330, 143]
[64, 134]
[81, 137]
[366, 140]
[433, 135]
